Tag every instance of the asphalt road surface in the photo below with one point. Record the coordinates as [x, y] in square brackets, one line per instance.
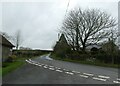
[44, 70]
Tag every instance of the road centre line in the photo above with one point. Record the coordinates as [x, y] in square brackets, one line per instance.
[58, 70]
[118, 79]
[36, 64]
[116, 82]
[100, 76]
[65, 69]
[89, 74]
[39, 65]
[69, 73]
[99, 79]
[45, 67]
[76, 71]
[29, 62]
[84, 76]
[29, 59]
[106, 77]
[51, 68]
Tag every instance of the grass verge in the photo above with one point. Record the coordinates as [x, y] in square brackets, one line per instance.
[11, 66]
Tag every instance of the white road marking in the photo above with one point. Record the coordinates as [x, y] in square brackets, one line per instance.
[42, 64]
[51, 68]
[39, 65]
[59, 71]
[45, 67]
[26, 60]
[29, 62]
[118, 79]
[29, 59]
[58, 68]
[99, 79]
[84, 76]
[32, 61]
[75, 71]
[106, 77]
[116, 82]
[69, 73]
[89, 74]
[36, 64]
[65, 69]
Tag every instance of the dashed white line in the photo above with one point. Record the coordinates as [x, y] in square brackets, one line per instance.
[118, 79]
[36, 64]
[59, 71]
[42, 64]
[51, 68]
[116, 82]
[99, 79]
[89, 74]
[76, 71]
[84, 76]
[65, 69]
[45, 67]
[106, 77]
[69, 73]
[29, 59]
[58, 68]
[39, 65]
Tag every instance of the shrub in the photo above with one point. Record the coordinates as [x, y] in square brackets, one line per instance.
[11, 58]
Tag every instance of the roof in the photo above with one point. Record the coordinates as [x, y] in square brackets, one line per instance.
[5, 42]
[93, 45]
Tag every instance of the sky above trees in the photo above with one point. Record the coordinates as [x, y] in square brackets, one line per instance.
[40, 21]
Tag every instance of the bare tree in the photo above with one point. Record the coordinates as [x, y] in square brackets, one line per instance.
[18, 39]
[83, 27]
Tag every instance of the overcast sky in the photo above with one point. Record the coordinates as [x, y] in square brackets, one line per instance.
[40, 21]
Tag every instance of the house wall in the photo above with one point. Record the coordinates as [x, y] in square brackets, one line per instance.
[5, 52]
[0, 54]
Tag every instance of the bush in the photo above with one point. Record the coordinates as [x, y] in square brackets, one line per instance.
[11, 58]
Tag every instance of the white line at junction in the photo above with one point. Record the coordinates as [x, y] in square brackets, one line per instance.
[89, 74]
[59, 71]
[118, 79]
[76, 71]
[99, 79]
[51, 68]
[69, 73]
[116, 82]
[84, 76]
[106, 77]
[45, 67]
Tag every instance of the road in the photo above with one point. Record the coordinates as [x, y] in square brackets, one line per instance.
[44, 70]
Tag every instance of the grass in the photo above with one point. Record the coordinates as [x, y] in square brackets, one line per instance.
[96, 63]
[10, 66]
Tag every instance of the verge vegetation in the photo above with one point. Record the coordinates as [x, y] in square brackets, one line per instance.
[17, 60]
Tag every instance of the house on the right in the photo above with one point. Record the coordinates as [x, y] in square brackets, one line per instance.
[108, 46]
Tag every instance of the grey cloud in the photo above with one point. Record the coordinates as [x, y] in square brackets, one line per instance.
[39, 21]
